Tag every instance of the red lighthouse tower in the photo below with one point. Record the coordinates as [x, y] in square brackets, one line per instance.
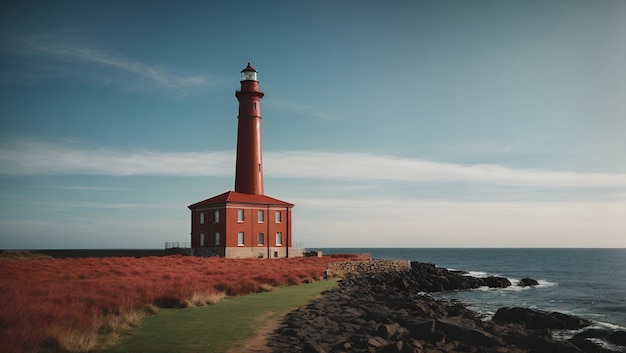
[249, 170]
[244, 222]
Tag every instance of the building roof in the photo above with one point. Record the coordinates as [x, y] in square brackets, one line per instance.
[249, 68]
[238, 197]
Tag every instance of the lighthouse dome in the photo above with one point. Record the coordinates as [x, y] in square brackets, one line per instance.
[249, 73]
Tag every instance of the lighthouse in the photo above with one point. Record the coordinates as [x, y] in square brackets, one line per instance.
[244, 223]
[249, 168]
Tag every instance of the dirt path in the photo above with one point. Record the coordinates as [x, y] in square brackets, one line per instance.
[258, 343]
[268, 322]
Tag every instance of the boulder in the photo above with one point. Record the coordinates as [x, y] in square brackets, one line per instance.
[422, 329]
[377, 342]
[537, 319]
[527, 282]
[313, 347]
[428, 277]
[618, 337]
[389, 330]
[496, 282]
[546, 344]
[568, 322]
[614, 337]
[465, 332]
[437, 336]
[398, 347]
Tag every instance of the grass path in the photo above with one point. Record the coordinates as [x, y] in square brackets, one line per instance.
[235, 324]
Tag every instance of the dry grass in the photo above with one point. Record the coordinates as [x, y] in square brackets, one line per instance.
[339, 274]
[75, 305]
[201, 299]
[76, 341]
[264, 287]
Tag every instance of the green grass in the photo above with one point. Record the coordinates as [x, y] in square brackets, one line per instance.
[217, 328]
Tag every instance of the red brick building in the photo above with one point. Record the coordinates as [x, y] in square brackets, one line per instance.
[244, 222]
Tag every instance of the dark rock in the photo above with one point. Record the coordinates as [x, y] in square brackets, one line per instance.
[527, 282]
[437, 336]
[389, 330]
[352, 312]
[377, 342]
[423, 329]
[399, 345]
[496, 282]
[288, 331]
[618, 337]
[613, 337]
[430, 278]
[587, 345]
[313, 347]
[547, 344]
[465, 332]
[389, 312]
[592, 333]
[537, 319]
[569, 322]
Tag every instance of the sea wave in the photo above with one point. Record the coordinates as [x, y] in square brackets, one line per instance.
[568, 334]
[514, 287]
[607, 326]
[543, 283]
[478, 274]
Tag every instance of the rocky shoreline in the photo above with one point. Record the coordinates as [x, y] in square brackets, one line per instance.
[382, 306]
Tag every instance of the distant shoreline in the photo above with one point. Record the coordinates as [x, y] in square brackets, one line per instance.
[84, 253]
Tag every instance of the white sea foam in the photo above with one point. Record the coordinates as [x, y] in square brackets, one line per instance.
[607, 345]
[478, 274]
[542, 284]
[545, 284]
[483, 288]
[567, 334]
[514, 287]
[607, 326]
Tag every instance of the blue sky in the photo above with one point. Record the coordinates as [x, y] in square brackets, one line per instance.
[388, 124]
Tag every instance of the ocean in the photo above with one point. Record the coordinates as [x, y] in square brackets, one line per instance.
[589, 283]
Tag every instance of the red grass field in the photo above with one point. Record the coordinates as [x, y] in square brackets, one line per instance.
[71, 304]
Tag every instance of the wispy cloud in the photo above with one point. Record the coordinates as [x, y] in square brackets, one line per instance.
[28, 157]
[106, 205]
[363, 166]
[61, 49]
[36, 158]
[92, 188]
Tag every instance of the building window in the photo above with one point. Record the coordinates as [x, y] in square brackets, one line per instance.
[278, 217]
[261, 216]
[201, 217]
[239, 215]
[279, 238]
[202, 239]
[217, 238]
[261, 239]
[240, 238]
[254, 105]
[216, 218]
